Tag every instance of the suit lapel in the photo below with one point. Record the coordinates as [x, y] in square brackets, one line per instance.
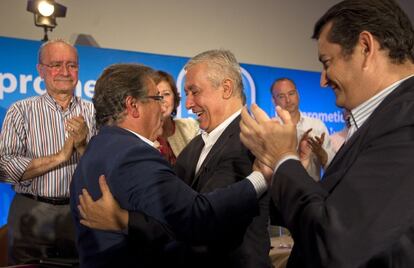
[195, 148]
[231, 130]
[343, 159]
[348, 153]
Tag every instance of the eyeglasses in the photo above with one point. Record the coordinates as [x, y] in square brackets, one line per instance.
[155, 97]
[57, 66]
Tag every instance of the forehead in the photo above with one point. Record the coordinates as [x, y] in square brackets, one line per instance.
[164, 85]
[196, 74]
[282, 87]
[151, 86]
[59, 52]
[325, 47]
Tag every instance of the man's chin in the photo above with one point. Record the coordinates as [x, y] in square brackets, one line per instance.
[203, 127]
[66, 89]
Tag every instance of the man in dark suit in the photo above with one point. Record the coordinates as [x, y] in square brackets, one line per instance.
[217, 158]
[361, 214]
[128, 113]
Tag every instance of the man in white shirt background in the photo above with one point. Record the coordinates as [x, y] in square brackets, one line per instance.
[314, 145]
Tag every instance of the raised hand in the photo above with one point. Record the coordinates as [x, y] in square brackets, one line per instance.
[78, 130]
[316, 145]
[304, 148]
[266, 138]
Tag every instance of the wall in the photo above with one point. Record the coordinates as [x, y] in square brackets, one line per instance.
[265, 32]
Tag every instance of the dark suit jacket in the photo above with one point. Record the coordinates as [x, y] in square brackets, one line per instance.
[141, 180]
[362, 213]
[228, 162]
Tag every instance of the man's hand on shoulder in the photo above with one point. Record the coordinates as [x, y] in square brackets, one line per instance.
[104, 213]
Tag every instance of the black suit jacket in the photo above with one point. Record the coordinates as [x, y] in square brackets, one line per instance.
[362, 213]
[228, 162]
[141, 180]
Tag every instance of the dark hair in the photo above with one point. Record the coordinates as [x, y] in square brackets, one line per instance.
[160, 76]
[279, 80]
[384, 19]
[115, 84]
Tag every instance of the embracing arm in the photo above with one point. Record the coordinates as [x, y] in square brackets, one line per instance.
[106, 214]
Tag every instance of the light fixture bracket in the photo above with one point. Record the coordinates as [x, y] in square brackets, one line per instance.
[48, 23]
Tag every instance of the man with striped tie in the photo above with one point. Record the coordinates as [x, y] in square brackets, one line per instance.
[41, 142]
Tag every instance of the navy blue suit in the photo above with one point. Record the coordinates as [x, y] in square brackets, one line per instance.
[141, 180]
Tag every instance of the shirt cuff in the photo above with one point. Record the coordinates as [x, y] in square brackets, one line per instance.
[259, 182]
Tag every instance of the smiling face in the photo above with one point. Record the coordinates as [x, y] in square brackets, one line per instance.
[343, 73]
[61, 80]
[152, 113]
[203, 99]
[165, 90]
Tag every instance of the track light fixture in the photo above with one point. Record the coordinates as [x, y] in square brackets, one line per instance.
[45, 14]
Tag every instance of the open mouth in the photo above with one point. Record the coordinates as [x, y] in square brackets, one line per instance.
[198, 114]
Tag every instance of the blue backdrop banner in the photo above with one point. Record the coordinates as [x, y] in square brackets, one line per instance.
[19, 79]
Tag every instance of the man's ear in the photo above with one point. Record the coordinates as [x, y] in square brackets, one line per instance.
[367, 47]
[132, 106]
[228, 87]
[40, 70]
[273, 101]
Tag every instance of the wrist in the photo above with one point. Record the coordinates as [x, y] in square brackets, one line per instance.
[60, 157]
[123, 219]
[283, 156]
[80, 144]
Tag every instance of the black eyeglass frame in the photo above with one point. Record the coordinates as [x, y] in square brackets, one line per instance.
[155, 97]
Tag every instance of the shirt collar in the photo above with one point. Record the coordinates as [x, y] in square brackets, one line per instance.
[142, 138]
[52, 102]
[301, 118]
[212, 137]
[361, 113]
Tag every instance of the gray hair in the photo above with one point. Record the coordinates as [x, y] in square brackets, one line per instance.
[222, 64]
[50, 42]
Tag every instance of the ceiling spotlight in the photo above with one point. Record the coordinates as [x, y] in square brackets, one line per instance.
[45, 14]
[45, 8]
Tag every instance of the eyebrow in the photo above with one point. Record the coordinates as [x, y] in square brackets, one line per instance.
[191, 88]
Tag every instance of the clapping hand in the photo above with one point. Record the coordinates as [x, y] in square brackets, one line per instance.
[78, 130]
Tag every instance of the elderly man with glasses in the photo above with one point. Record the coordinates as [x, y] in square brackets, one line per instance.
[42, 140]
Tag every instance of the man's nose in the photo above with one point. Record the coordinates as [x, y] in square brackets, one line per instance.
[189, 103]
[64, 70]
[324, 79]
